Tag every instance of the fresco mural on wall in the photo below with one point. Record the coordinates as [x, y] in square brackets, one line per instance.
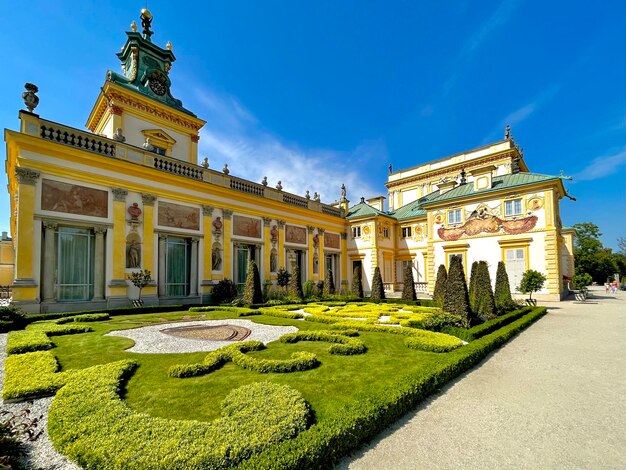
[488, 224]
[246, 226]
[74, 199]
[177, 216]
[331, 240]
[295, 234]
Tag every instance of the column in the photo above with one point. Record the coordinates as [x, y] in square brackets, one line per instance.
[430, 256]
[344, 263]
[193, 281]
[267, 247]
[227, 263]
[24, 285]
[49, 261]
[118, 283]
[99, 264]
[281, 244]
[147, 258]
[311, 252]
[161, 278]
[323, 267]
[207, 265]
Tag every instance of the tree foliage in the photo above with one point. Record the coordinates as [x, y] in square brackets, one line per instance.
[140, 279]
[408, 290]
[502, 295]
[329, 283]
[357, 282]
[440, 285]
[378, 289]
[295, 285]
[252, 293]
[592, 258]
[456, 298]
[484, 306]
[224, 292]
[532, 281]
[282, 277]
[471, 290]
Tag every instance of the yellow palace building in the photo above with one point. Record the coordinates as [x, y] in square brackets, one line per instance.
[90, 207]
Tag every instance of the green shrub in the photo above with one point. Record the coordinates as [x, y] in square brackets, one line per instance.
[532, 281]
[283, 277]
[321, 447]
[582, 280]
[111, 435]
[378, 289]
[471, 288]
[502, 293]
[309, 289]
[436, 321]
[440, 285]
[34, 317]
[252, 293]
[32, 375]
[408, 290]
[484, 305]
[485, 328]
[11, 318]
[456, 298]
[357, 282]
[20, 342]
[344, 345]
[295, 285]
[329, 283]
[84, 318]
[275, 312]
[224, 292]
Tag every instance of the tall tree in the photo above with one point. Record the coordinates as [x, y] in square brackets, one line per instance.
[456, 298]
[485, 304]
[408, 290]
[440, 285]
[329, 283]
[502, 294]
[471, 290]
[252, 293]
[357, 282]
[592, 257]
[295, 285]
[378, 289]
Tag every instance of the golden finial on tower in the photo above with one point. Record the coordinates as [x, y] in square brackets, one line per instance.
[169, 46]
[133, 26]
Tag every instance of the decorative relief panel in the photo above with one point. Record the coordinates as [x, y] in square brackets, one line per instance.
[295, 234]
[73, 199]
[331, 240]
[177, 216]
[246, 226]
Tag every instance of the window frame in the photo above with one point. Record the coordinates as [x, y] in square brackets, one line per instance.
[356, 231]
[449, 212]
[407, 231]
[512, 202]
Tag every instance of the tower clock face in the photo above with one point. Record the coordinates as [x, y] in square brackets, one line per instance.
[158, 87]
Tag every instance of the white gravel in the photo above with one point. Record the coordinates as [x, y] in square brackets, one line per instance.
[40, 454]
[150, 340]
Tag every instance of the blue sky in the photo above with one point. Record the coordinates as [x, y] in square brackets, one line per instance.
[321, 93]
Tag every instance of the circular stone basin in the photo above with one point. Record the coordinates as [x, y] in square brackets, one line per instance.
[209, 333]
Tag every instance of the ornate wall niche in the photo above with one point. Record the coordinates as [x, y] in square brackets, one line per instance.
[216, 257]
[133, 251]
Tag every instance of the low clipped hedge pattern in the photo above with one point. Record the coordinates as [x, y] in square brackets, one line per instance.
[343, 344]
[235, 353]
[483, 329]
[32, 375]
[322, 447]
[33, 317]
[280, 313]
[87, 317]
[36, 336]
[240, 311]
[90, 424]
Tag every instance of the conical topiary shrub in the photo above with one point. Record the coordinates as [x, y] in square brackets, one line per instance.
[456, 298]
[329, 283]
[252, 293]
[408, 291]
[485, 305]
[378, 290]
[295, 286]
[471, 289]
[440, 285]
[502, 295]
[357, 282]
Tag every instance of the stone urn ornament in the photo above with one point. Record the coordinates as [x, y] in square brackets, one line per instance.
[134, 211]
[218, 224]
[274, 233]
[31, 100]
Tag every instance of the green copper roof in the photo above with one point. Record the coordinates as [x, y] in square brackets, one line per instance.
[498, 183]
[412, 209]
[363, 209]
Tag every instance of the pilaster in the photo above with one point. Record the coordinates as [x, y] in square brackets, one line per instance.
[207, 258]
[49, 261]
[320, 232]
[344, 261]
[99, 263]
[148, 241]
[161, 279]
[118, 286]
[227, 264]
[267, 246]
[24, 285]
[281, 244]
[429, 258]
[310, 252]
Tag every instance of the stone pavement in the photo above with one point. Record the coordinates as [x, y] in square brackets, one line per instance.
[552, 398]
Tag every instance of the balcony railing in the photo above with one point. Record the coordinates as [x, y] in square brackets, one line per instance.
[100, 145]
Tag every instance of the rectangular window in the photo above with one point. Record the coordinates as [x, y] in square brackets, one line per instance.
[406, 232]
[75, 264]
[159, 150]
[177, 267]
[513, 207]
[454, 216]
[515, 264]
[356, 232]
[385, 232]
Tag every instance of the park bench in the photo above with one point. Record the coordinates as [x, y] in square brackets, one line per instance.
[579, 294]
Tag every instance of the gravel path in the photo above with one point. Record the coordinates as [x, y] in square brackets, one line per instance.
[150, 340]
[552, 398]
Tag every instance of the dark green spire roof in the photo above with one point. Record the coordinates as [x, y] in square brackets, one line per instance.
[146, 66]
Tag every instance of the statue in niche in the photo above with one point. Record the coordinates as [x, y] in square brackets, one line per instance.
[133, 254]
[316, 240]
[273, 262]
[216, 259]
[316, 264]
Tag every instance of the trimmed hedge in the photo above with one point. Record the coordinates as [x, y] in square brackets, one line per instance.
[30, 318]
[87, 317]
[235, 353]
[32, 375]
[91, 425]
[436, 321]
[19, 342]
[273, 312]
[240, 311]
[322, 447]
[344, 344]
[487, 327]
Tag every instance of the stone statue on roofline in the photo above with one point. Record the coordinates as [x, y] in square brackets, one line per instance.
[343, 192]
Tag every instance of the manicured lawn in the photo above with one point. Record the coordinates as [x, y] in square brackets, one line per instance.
[350, 397]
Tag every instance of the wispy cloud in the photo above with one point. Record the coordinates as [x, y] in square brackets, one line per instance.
[602, 166]
[234, 136]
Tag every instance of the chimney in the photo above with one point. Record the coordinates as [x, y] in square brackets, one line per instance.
[483, 177]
